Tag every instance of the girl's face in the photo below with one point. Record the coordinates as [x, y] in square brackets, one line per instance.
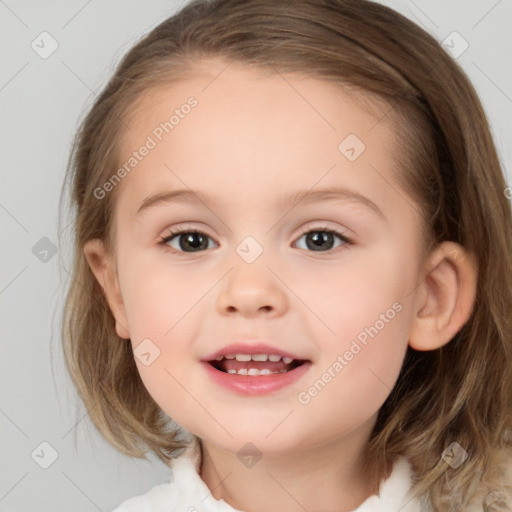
[300, 244]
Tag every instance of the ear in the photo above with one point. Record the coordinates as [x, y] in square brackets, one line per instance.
[102, 266]
[446, 296]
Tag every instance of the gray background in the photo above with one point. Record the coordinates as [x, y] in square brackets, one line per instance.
[42, 100]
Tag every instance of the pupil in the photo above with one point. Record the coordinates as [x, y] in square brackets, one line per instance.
[196, 241]
[318, 238]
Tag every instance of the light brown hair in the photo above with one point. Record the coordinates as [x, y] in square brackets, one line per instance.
[447, 161]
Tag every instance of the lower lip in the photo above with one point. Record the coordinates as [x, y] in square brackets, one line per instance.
[255, 384]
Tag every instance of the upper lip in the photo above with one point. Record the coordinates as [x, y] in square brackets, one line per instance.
[251, 349]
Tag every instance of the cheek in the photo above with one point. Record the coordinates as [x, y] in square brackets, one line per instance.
[157, 299]
[358, 374]
[171, 389]
[162, 310]
[369, 312]
[363, 289]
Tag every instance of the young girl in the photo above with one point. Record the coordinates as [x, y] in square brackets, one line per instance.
[293, 265]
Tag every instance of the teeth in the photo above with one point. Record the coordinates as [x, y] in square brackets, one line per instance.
[274, 358]
[255, 371]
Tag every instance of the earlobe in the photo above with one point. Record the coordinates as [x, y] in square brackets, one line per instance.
[101, 264]
[446, 296]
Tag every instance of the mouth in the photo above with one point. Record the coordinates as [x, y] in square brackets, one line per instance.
[254, 368]
[255, 364]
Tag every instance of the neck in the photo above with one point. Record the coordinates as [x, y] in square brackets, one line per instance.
[325, 478]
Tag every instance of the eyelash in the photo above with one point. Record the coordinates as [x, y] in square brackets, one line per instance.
[323, 229]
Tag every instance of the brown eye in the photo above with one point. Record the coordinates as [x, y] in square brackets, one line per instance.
[187, 241]
[321, 240]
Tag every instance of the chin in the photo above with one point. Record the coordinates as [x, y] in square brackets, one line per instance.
[254, 438]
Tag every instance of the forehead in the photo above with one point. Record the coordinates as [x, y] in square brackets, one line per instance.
[233, 83]
[250, 127]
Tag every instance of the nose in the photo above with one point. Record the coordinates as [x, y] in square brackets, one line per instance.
[251, 290]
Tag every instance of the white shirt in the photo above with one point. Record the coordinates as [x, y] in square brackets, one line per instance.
[186, 491]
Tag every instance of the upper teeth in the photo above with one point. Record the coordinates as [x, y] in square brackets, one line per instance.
[256, 357]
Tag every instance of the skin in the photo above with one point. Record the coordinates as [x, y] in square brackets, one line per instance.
[252, 139]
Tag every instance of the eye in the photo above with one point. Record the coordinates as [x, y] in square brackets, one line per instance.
[186, 241]
[321, 239]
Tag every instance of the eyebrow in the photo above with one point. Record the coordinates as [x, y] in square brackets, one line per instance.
[303, 196]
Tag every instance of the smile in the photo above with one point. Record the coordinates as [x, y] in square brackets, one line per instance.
[254, 369]
[255, 364]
